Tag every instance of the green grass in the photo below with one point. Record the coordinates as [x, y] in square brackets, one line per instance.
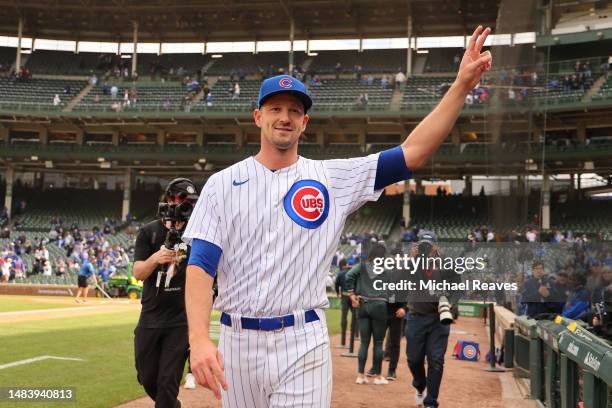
[106, 378]
[20, 303]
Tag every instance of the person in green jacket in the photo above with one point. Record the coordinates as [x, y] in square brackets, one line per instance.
[371, 306]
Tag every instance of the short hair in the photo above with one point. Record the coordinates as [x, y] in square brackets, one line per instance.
[562, 274]
[537, 263]
[342, 263]
[579, 278]
[376, 251]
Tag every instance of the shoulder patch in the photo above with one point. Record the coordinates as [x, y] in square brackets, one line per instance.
[307, 203]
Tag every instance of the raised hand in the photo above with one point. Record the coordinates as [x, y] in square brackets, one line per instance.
[474, 63]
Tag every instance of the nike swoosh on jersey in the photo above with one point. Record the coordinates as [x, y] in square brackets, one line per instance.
[239, 183]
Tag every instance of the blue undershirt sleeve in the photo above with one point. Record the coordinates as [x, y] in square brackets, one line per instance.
[391, 168]
[205, 255]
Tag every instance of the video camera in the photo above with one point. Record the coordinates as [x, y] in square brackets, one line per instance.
[175, 212]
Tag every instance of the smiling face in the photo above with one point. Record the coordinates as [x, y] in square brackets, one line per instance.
[282, 120]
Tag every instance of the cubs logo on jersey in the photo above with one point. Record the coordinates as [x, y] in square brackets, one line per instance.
[307, 203]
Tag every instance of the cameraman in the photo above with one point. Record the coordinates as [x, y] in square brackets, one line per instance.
[426, 334]
[161, 344]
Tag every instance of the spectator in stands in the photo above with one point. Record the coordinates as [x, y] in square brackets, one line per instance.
[67, 89]
[358, 71]
[47, 269]
[362, 100]
[5, 269]
[400, 80]
[19, 268]
[558, 293]
[93, 81]
[384, 82]
[536, 291]
[57, 101]
[531, 235]
[579, 303]
[338, 69]
[114, 91]
[133, 96]
[209, 99]
[126, 99]
[106, 89]
[53, 234]
[167, 104]
[236, 94]
[193, 86]
[60, 266]
[316, 81]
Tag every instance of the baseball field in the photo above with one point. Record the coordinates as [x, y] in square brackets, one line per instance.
[53, 342]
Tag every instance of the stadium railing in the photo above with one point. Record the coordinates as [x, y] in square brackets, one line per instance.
[565, 363]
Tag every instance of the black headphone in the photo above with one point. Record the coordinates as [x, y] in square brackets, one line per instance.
[182, 194]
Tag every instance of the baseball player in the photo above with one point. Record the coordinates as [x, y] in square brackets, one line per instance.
[267, 228]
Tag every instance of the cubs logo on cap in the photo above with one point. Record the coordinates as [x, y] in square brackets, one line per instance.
[307, 203]
[284, 83]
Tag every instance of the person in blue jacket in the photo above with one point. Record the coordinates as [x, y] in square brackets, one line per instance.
[86, 271]
[579, 303]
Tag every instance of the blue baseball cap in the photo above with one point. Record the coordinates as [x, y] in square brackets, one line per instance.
[284, 83]
[427, 236]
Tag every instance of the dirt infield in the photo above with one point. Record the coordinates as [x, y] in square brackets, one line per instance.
[465, 384]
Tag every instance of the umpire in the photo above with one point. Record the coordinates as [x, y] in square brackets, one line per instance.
[161, 343]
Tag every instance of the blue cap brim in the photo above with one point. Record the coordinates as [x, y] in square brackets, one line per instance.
[305, 99]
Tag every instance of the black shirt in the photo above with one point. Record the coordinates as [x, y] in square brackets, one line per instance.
[166, 308]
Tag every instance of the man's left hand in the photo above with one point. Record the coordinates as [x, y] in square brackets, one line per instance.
[400, 313]
[474, 63]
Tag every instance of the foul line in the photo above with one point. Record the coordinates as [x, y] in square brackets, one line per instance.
[35, 359]
[59, 309]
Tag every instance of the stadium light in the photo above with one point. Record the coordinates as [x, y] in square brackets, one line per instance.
[216, 56]
[422, 51]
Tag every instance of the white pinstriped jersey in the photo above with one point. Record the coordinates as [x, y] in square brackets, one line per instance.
[278, 230]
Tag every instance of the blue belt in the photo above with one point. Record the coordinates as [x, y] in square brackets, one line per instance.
[269, 323]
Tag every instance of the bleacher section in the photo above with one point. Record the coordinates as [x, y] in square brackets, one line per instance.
[85, 208]
[191, 63]
[442, 60]
[422, 92]
[151, 96]
[36, 93]
[64, 63]
[332, 94]
[380, 217]
[580, 21]
[250, 63]
[605, 91]
[375, 61]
